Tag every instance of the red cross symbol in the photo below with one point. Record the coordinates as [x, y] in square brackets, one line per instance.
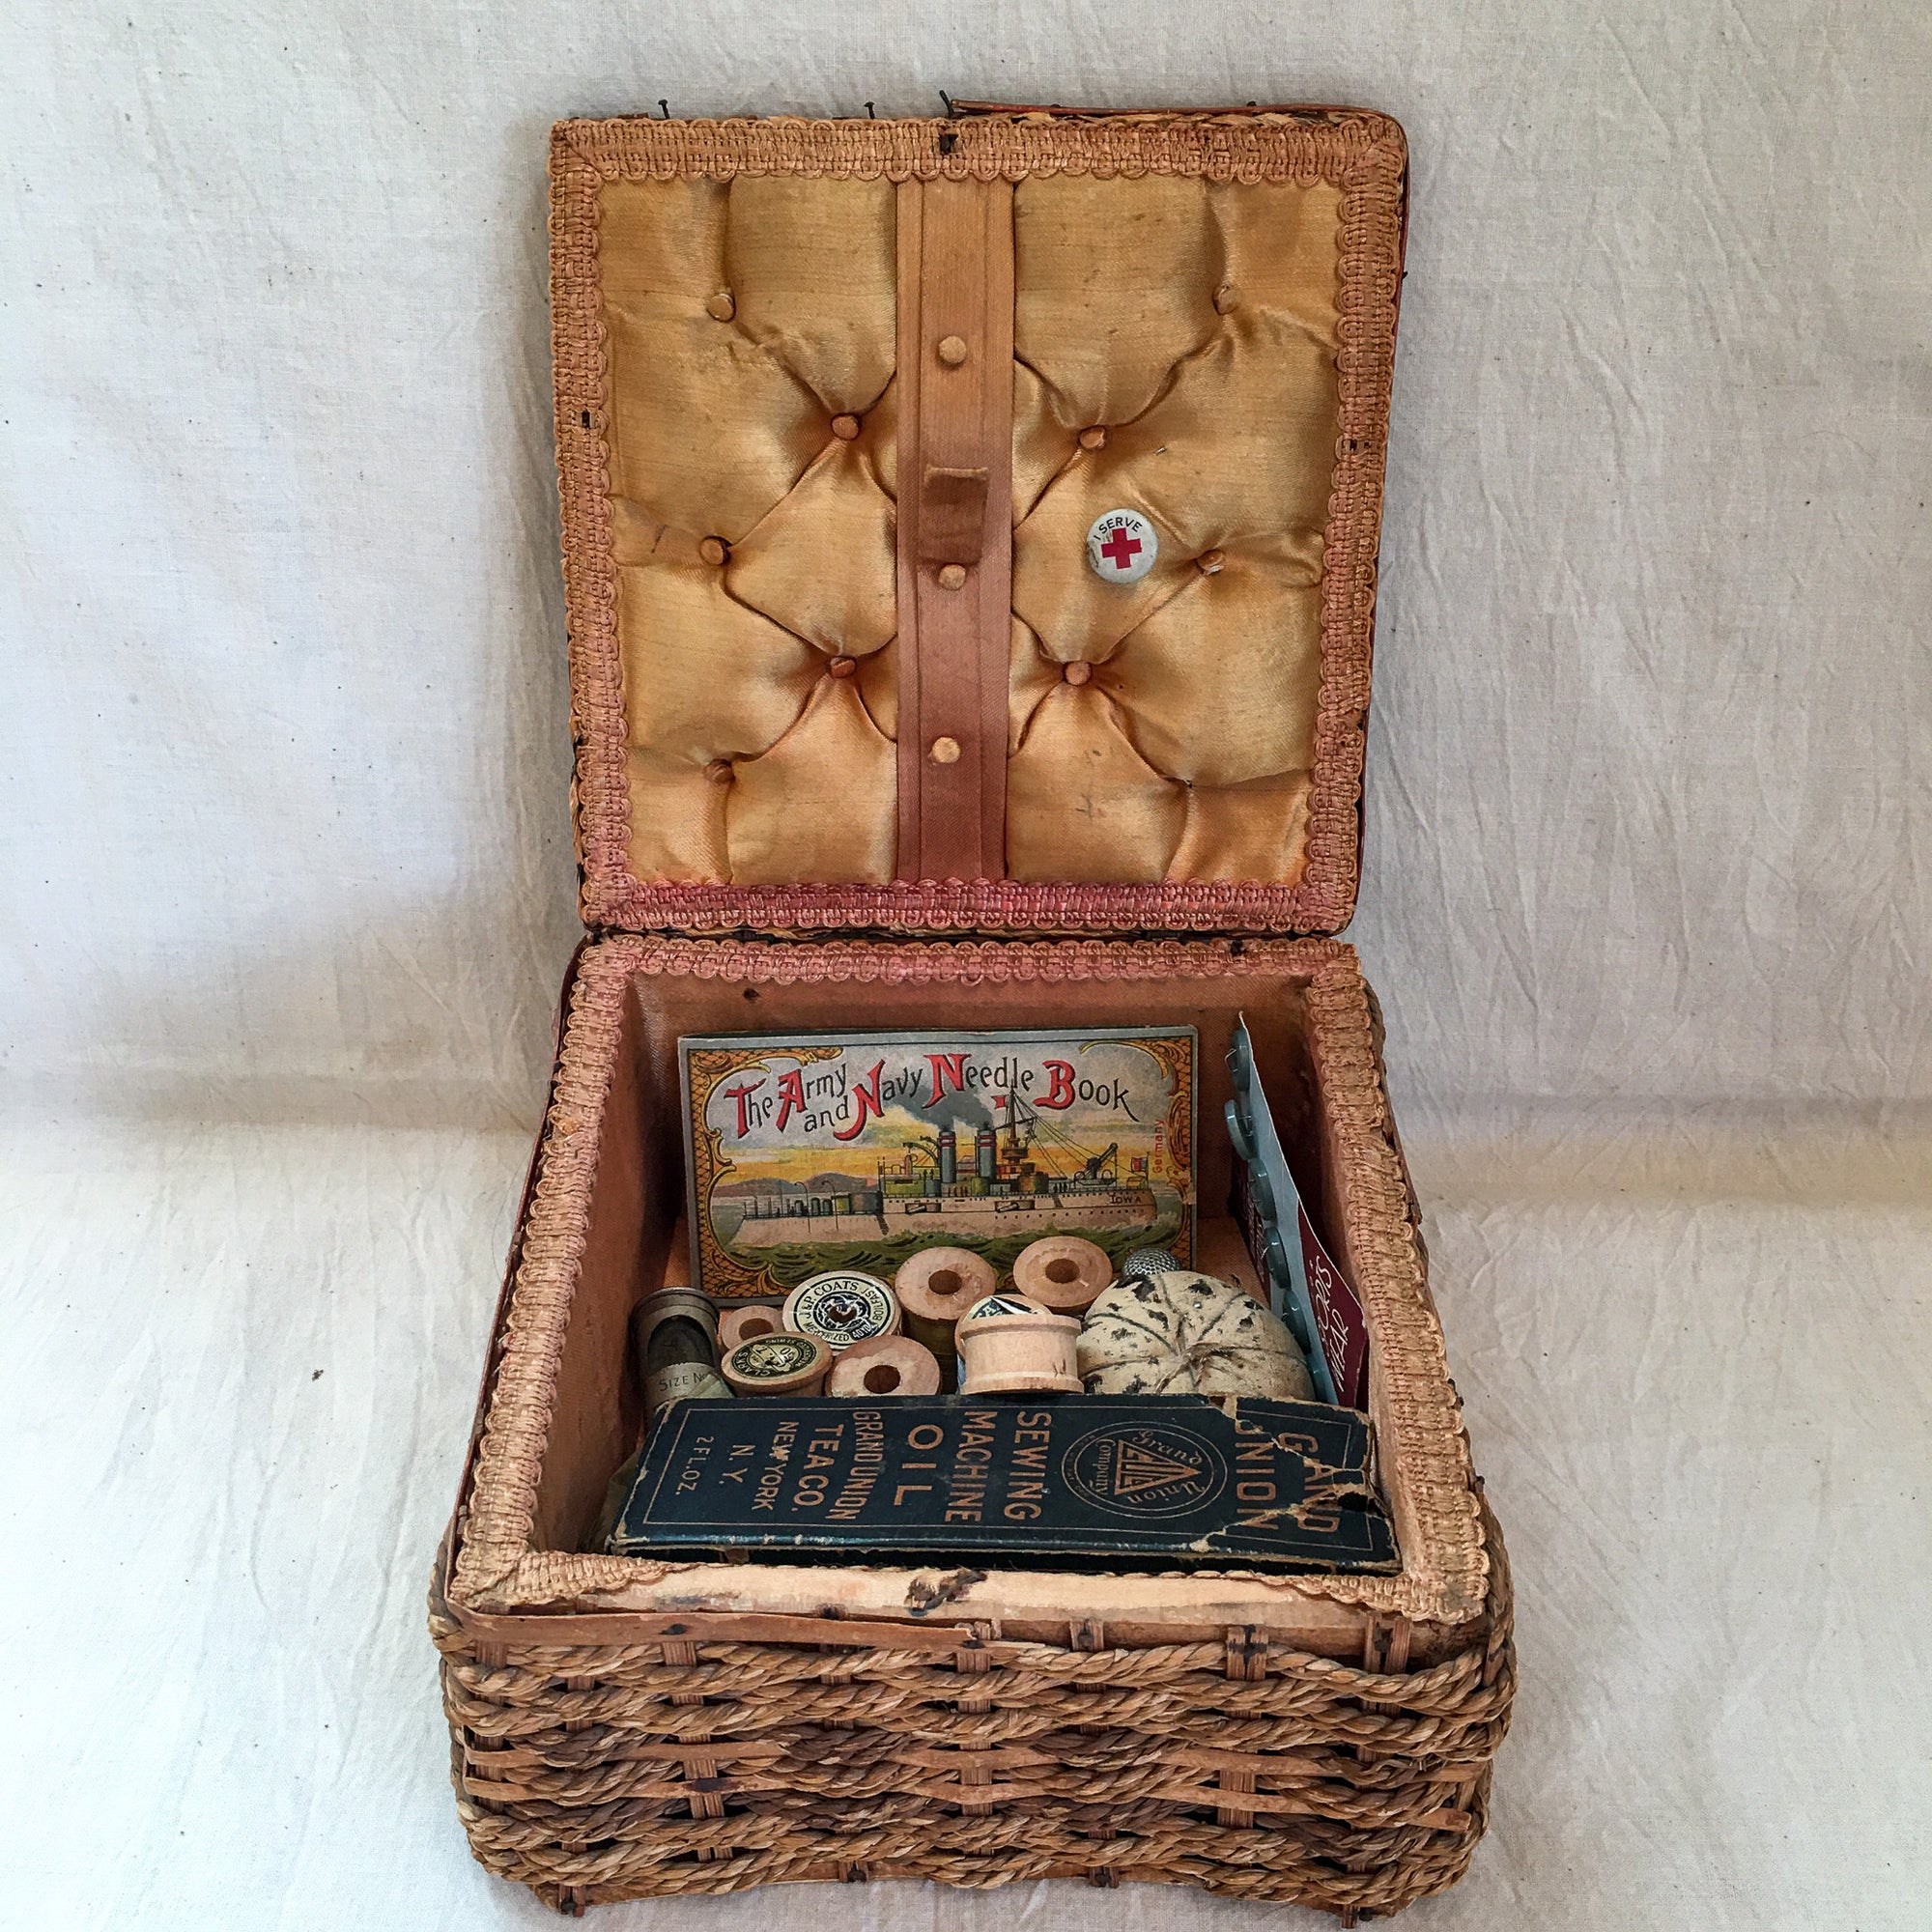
[1120, 548]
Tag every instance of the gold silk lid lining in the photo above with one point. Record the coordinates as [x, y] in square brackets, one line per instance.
[1204, 319]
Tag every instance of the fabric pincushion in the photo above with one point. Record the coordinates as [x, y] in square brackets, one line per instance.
[1183, 1333]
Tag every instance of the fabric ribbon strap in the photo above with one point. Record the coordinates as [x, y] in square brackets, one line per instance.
[956, 538]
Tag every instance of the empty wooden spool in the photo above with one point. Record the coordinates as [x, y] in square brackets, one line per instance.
[886, 1365]
[740, 1325]
[1062, 1273]
[935, 1288]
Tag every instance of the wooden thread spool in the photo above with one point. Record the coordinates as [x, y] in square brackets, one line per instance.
[1062, 1273]
[740, 1325]
[887, 1365]
[1010, 1346]
[779, 1363]
[935, 1288]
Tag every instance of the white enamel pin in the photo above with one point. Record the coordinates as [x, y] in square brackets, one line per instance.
[1122, 547]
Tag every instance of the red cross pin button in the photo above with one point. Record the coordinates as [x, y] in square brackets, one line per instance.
[1122, 547]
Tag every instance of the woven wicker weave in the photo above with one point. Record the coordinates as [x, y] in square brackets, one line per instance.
[626, 1728]
[594, 1772]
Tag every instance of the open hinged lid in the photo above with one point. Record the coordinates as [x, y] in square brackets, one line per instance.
[844, 411]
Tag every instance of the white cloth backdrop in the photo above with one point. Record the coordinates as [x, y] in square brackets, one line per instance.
[284, 751]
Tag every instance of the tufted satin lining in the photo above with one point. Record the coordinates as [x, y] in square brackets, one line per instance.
[1193, 324]
[754, 542]
[1177, 350]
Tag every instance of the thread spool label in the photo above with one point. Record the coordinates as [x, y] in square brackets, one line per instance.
[683, 1381]
[766, 1358]
[1003, 1304]
[841, 1307]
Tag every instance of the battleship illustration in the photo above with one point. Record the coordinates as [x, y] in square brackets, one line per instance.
[1022, 1172]
[812, 1152]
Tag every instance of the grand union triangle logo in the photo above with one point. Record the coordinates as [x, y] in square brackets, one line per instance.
[1138, 1467]
[1144, 1469]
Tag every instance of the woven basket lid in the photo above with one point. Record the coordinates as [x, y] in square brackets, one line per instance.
[866, 431]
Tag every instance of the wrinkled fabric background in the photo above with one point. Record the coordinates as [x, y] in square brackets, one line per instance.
[288, 894]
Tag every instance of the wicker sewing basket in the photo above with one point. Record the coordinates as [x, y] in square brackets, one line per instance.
[863, 742]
